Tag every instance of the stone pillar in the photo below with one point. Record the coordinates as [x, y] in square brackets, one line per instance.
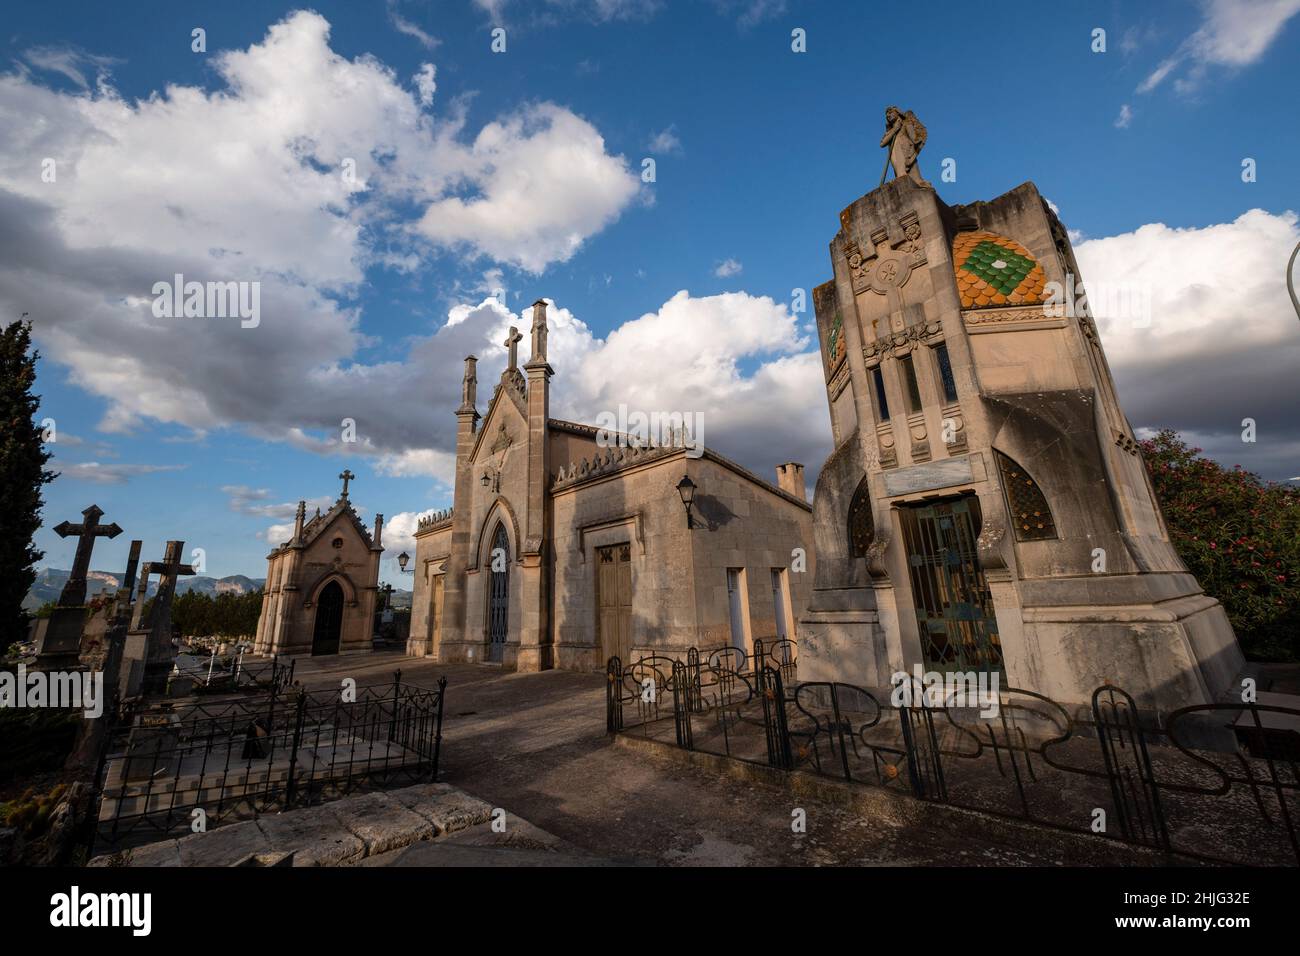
[455, 642]
[535, 650]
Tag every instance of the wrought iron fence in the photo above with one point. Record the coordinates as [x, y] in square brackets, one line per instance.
[1214, 781]
[235, 758]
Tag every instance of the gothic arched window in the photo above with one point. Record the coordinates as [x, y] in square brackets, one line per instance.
[862, 530]
[1030, 515]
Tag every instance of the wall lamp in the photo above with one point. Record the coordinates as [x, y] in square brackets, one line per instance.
[686, 488]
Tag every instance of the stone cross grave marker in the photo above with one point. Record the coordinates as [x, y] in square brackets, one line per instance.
[74, 591]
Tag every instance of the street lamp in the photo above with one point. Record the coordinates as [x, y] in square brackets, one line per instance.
[686, 488]
[402, 560]
[1290, 286]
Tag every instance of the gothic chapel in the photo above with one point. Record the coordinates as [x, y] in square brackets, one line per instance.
[563, 549]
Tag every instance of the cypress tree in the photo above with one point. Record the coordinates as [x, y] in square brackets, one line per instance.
[22, 473]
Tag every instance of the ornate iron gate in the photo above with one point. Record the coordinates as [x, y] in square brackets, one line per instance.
[954, 610]
[499, 597]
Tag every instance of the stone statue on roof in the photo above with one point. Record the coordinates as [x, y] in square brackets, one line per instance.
[904, 137]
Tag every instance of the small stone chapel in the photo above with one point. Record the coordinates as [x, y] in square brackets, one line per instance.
[322, 584]
[567, 545]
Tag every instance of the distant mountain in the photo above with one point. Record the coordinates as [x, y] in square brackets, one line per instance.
[49, 585]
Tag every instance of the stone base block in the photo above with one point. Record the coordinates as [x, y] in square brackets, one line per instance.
[1169, 655]
[844, 646]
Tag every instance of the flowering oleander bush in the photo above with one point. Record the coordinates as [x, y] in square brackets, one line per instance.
[1240, 536]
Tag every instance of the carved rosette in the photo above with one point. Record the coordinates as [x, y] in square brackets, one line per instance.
[887, 264]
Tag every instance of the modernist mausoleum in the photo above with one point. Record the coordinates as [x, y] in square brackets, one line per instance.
[986, 506]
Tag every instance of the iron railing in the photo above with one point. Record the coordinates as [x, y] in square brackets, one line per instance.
[235, 758]
[217, 675]
[1213, 781]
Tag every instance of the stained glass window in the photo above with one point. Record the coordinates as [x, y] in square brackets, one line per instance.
[945, 374]
[882, 403]
[862, 530]
[909, 379]
[1030, 515]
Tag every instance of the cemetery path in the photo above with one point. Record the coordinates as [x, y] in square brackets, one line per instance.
[535, 744]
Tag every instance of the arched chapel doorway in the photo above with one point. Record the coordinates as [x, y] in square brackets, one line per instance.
[329, 620]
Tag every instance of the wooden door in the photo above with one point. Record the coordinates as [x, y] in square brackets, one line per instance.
[614, 601]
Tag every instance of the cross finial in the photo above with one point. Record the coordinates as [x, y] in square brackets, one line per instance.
[346, 476]
[512, 343]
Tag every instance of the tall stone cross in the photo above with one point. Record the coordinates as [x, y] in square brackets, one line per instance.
[512, 343]
[74, 592]
[346, 476]
[156, 647]
[168, 570]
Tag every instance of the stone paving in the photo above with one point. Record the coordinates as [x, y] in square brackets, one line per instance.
[535, 744]
[340, 833]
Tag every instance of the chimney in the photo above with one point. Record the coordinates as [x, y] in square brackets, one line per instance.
[379, 531]
[789, 478]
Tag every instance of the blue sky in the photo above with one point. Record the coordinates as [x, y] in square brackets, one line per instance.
[181, 434]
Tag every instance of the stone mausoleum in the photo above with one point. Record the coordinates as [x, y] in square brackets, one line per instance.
[322, 584]
[567, 544]
[986, 506]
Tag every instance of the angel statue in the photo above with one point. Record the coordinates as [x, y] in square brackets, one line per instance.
[904, 137]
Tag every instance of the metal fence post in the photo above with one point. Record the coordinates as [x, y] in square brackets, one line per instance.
[682, 707]
[839, 731]
[392, 724]
[770, 688]
[299, 720]
[437, 739]
[613, 696]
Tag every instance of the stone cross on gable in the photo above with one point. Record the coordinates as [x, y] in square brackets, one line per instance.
[74, 592]
[346, 476]
[512, 343]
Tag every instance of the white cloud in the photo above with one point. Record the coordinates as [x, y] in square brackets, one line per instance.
[1232, 33]
[256, 502]
[1125, 117]
[750, 13]
[406, 27]
[728, 268]
[600, 11]
[666, 141]
[109, 474]
[399, 532]
[424, 83]
[244, 182]
[71, 63]
[1221, 344]
[545, 183]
